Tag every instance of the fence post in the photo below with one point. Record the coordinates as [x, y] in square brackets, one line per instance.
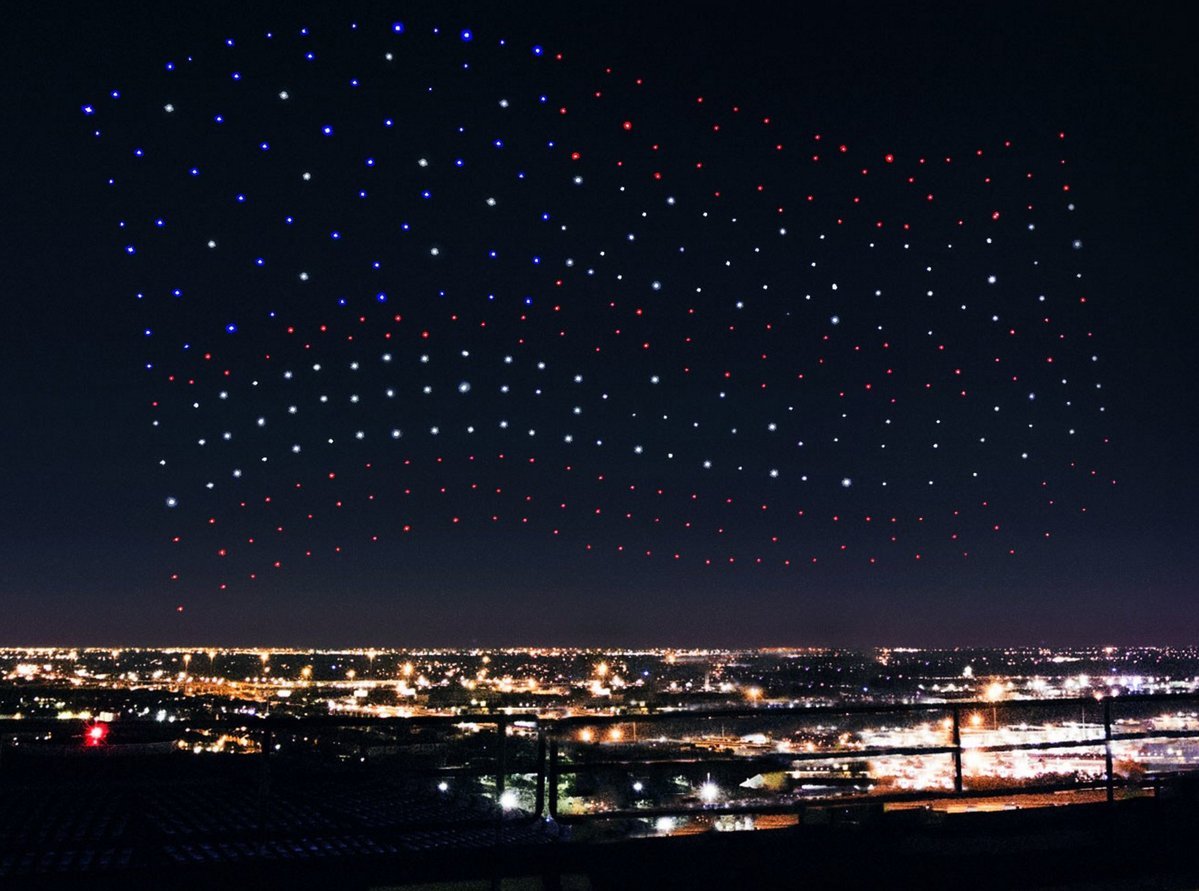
[264, 786]
[957, 749]
[1107, 747]
[501, 759]
[540, 772]
[501, 770]
[553, 776]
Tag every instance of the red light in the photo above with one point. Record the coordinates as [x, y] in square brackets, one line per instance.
[96, 734]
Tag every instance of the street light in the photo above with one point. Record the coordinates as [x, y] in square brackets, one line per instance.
[709, 791]
[994, 693]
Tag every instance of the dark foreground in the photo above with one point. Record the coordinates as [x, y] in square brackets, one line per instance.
[60, 828]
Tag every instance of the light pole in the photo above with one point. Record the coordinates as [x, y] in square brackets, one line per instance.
[994, 693]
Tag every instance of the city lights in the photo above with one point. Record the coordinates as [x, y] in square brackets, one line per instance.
[557, 683]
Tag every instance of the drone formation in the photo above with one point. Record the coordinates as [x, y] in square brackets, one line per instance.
[403, 286]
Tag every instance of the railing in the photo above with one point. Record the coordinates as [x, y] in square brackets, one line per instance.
[1110, 781]
[550, 764]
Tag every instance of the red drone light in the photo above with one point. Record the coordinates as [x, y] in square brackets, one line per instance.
[96, 734]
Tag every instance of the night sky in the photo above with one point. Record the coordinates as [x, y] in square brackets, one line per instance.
[701, 325]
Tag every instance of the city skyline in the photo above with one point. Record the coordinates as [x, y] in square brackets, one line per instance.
[447, 327]
[669, 742]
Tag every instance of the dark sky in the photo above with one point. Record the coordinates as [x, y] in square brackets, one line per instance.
[809, 361]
